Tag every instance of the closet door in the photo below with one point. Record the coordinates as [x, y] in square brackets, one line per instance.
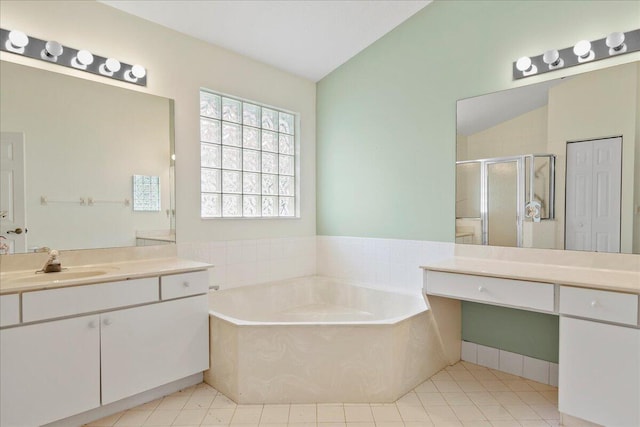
[593, 191]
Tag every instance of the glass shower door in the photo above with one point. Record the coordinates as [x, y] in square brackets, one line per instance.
[503, 224]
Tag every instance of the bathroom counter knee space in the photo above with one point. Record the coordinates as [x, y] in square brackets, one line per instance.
[599, 360]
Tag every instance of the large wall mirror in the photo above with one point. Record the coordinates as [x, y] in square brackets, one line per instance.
[84, 164]
[552, 165]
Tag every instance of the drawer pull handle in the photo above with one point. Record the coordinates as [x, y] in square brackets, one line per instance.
[594, 303]
[480, 289]
[185, 284]
[92, 324]
[107, 322]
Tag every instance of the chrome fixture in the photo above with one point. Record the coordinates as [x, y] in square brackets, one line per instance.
[52, 264]
[616, 43]
[51, 51]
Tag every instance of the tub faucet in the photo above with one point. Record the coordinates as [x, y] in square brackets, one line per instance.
[52, 264]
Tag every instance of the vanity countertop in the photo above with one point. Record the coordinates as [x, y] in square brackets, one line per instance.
[27, 280]
[585, 277]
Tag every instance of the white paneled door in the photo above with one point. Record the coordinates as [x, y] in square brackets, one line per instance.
[593, 195]
[12, 193]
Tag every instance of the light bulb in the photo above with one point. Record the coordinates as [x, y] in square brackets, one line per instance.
[583, 51]
[112, 65]
[52, 49]
[84, 57]
[552, 59]
[523, 64]
[136, 72]
[18, 39]
[615, 43]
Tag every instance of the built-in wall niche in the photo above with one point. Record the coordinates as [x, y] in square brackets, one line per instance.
[543, 119]
[82, 143]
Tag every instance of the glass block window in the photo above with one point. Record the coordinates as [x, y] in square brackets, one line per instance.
[247, 159]
[146, 193]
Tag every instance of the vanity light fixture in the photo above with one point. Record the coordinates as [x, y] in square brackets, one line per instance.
[16, 42]
[616, 43]
[19, 43]
[552, 59]
[82, 59]
[583, 51]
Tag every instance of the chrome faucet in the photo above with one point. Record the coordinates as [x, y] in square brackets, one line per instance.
[52, 265]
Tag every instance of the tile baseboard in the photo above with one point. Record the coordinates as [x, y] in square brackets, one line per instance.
[511, 363]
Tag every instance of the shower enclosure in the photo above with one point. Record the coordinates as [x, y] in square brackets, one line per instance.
[496, 196]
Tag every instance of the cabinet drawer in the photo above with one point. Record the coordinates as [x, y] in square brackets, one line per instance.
[491, 290]
[184, 285]
[47, 304]
[601, 305]
[9, 309]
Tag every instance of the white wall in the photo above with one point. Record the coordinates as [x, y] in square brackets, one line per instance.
[178, 66]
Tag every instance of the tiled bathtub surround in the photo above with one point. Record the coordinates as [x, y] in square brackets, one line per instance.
[313, 340]
[382, 263]
[247, 262]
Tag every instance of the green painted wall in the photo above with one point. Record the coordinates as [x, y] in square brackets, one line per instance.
[386, 118]
[523, 332]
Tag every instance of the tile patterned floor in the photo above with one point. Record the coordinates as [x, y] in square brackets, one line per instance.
[462, 395]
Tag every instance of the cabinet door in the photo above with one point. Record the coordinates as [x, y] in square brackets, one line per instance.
[49, 371]
[599, 372]
[149, 346]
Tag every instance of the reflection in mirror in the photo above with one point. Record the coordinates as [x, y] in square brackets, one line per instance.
[70, 151]
[552, 165]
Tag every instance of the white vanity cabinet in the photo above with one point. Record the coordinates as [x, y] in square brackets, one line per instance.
[115, 340]
[145, 347]
[9, 309]
[49, 371]
[599, 375]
